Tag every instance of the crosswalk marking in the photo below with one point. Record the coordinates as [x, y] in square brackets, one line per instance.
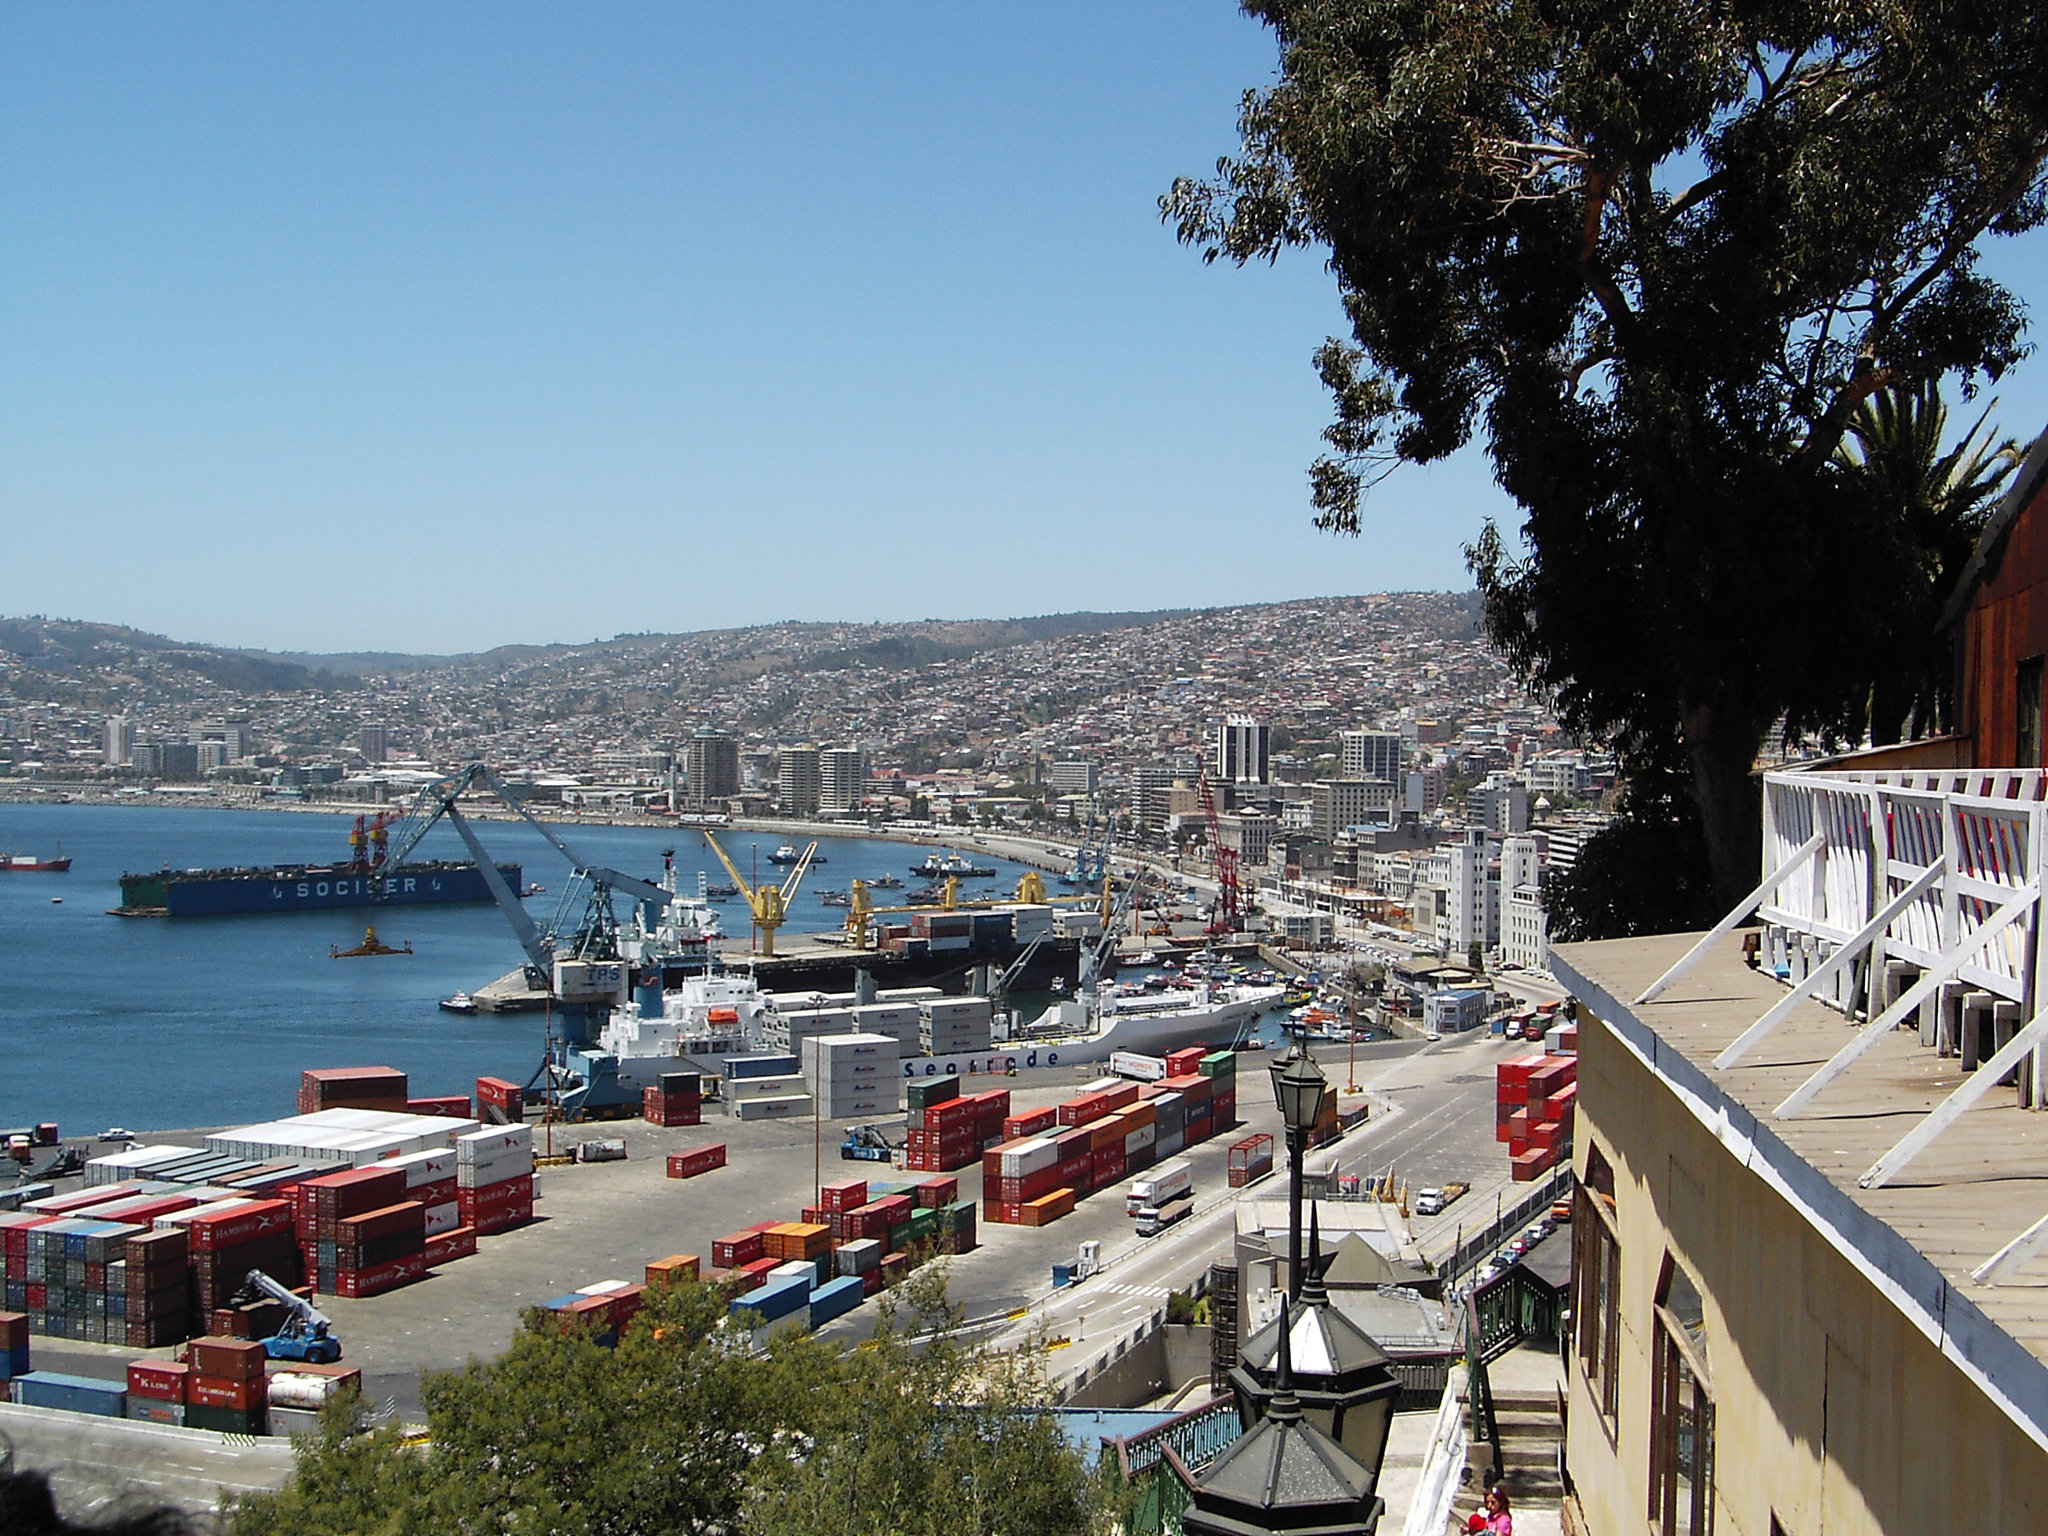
[1136, 1290]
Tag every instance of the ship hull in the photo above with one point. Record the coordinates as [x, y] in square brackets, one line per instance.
[306, 888]
[1148, 1034]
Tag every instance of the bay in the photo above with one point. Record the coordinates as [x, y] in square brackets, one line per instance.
[155, 1023]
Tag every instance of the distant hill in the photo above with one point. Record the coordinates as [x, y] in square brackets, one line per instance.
[62, 645]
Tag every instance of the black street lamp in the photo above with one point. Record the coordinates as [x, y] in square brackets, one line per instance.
[1300, 1089]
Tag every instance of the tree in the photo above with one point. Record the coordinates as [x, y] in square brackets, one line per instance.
[1657, 258]
[687, 1427]
[1935, 504]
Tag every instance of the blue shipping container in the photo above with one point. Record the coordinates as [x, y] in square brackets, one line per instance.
[768, 1065]
[76, 1394]
[835, 1299]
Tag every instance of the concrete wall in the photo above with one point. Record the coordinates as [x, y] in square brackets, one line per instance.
[1833, 1412]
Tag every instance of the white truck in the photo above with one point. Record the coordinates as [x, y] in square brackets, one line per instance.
[1160, 1185]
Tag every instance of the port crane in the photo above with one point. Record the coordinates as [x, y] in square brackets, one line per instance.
[1229, 916]
[574, 955]
[770, 902]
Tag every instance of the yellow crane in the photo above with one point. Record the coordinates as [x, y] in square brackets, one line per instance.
[770, 902]
[1030, 889]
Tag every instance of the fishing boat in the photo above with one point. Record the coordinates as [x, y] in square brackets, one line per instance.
[31, 864]
[886, 883]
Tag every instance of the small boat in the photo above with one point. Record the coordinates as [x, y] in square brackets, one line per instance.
[835, 898]
[936, 868]
[721, 892]
[371, 945]
[461, 1002]
[789, 853]
[886, 883]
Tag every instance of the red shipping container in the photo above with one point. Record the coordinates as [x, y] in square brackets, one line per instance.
[503, 1220]
[494, 1197]
[1533, 1164]
[407, 1216]
[1518, 1125]
[1078, 1173]
[227, 1359]
[844, 1195]
[449, 1106]
[933, 1193]
[50, 1207]
[736, 1250]
[1108, 1167]
[356, 1283]
[13, 1331]
[207, 1392]
[1081, 1110]
[1030, 1123]
[1121, 1095]
[1029, 1187]
[164, 1380]
[459, 1244]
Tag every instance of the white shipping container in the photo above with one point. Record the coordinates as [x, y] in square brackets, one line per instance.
[859, 1256]
[512, 1164]
[443, 1218]
[117, 1167]
[1142, 1137]
[426, 1167]
[479, 1145]
[179, 1218]
[1028, 1157]
[740, 1089]
[794, 1106]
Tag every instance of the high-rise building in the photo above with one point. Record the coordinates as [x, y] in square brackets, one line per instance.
[1471, 915]
[1501, 804]
[1335, 804]
[1373, 755]
[1242, 751]
[234, 739]
[711, 759]
[117, 744]
[1524, 930]
[796, 781]
[1075, 776]
[374, 743]
[1151, 794]
[842, 779]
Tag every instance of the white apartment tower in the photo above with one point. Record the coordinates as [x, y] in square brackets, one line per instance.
[842, 779]
[1242, 751]
[797, 781]
[118, 742]
[1524, 929]
[1471, 915]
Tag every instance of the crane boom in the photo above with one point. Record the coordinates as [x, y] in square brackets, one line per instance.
[1229, 907]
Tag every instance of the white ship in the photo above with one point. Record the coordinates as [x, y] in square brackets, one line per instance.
[716, 1013]
[1091, 1027]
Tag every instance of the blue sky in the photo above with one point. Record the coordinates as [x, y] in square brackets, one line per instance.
[440, 327]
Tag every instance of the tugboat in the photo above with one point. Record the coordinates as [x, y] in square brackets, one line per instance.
[461, 1002]
[953, 866]
[789, 853]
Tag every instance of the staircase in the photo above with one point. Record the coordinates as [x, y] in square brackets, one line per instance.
[1530, 1431]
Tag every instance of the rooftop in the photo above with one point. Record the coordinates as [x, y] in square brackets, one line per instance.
[1924, 1228]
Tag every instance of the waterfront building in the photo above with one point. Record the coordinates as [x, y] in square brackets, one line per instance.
[117, 742]
[842, 779]
[797, 781]
[1250, 833]
[711, 763]
[374, 742]
[232, 738]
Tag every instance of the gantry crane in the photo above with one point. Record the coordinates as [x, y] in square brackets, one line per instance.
[769, 902]
[1030, 890]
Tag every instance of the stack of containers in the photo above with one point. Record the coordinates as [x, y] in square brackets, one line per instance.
[430, 1179]
[157, 1278]
[379, 1250]
[1220, 1067]
[227, 1390]
[790, 1028]
[673, 1270]
[676, 1099]
[899, 1021]
[14, 1350]
[843, 1195]
[585, 1309]
[765, 1087]
[157, 1390]
[1106, 1150]
[499, 1102]
[954, 1026]
[991, 1108]
[1140, 1136]
[860, 1259]
[853, 1076]
[1540, 1131]
[1077, 1159]
[1169, 1120]
[736, 1250]
[1017, 1174]
[1198, 1105]
[323, 1205]
[378, 1088]
[934, 1194]
[944, 1127]
[687, 1165]
[1183, 1062]
[1511, 1097]
[799, 1242]
[494, 1178]
[68, 1261]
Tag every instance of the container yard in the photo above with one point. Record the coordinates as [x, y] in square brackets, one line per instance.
[427, 1237]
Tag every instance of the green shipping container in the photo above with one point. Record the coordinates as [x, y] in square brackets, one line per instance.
[1220, 1064]
[227, 1421]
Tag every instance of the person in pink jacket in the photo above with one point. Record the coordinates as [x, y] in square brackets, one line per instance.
[1494, 1519]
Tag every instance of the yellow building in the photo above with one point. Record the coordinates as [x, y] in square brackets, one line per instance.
[1811, 1292]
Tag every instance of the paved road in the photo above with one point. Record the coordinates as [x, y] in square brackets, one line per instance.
[95, 1464]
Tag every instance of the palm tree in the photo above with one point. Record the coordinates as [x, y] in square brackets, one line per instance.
[1935, 505]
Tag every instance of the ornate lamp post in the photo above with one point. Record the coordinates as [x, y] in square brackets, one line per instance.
[1285, 1475]
[1300, 1089]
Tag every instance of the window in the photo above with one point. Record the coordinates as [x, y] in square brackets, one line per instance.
[1596, 1284]
[1681, 1412]
[2027, 739]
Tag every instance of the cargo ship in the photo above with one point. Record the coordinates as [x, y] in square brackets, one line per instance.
[30, 864]
[303, 888]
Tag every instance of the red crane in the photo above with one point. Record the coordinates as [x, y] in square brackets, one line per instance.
[1229, 916]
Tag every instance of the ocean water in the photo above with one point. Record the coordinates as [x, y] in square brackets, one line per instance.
[157, 1024]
